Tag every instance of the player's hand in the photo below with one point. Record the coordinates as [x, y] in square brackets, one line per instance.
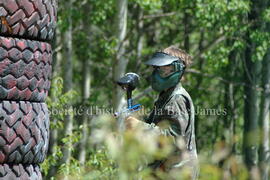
[132, 122]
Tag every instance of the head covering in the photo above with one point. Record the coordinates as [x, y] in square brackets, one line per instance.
[161, 59]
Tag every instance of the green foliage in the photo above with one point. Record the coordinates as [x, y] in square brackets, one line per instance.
[58, 101]
[266, 15]
[101, 10]
[224, 13]
[71, 170]
[57, 105]
[262, 40]
[52, 160]
[148, 5]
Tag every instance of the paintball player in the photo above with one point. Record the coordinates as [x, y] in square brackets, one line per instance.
[173, 106]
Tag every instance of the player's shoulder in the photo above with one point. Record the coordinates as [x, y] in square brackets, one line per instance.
[180, 91]
[181, 95]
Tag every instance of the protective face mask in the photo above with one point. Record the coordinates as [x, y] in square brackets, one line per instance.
[160, 84]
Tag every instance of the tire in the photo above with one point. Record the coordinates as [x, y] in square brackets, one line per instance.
[29, 19]
[25, 69]
[24, 132]
[20, 172]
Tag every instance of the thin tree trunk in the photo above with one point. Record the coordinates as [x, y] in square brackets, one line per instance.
[68, 82]
[264, 151]
[198, 84]
[140, 38]
[120, 62]
[57, 59]
[57, 54]
[86, 27]
[230, 118]
[186, 22]
[251, 111]
[85, 118]
[252, 95]
[201, 61]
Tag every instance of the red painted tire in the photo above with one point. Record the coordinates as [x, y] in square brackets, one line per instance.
[24, 132]
[20, 172]
[30, 19]
[25, 69]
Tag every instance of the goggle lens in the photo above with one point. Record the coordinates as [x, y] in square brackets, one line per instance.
[163, 73]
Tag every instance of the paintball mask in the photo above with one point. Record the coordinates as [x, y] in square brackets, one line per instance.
[159, 80]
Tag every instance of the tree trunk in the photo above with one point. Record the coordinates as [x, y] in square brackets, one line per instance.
[53, 132]
[230, 118]
[140, 38]
[68, 73]
[198, 86]
[85, 117]
[251, 110]
[186, 22]
[252, 78]
[57, 54]
[120, 63]
[57, 59]
[87, 29]
[201, 61]
[264, 151]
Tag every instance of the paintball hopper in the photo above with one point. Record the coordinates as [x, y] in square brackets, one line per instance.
[129, 82]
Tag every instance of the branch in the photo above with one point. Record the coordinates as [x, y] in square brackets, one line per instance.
[194, 71]
[210, 46]
[247, 71]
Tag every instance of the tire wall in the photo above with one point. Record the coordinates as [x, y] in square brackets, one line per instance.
[26, 29]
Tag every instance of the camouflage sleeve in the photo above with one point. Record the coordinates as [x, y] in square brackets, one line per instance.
[174, 119]
[178, 112]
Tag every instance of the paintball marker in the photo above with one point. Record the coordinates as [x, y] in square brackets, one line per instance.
[129, 82]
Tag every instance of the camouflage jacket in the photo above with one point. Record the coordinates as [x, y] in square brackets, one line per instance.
[175, 107]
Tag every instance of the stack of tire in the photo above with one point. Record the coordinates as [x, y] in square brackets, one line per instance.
[26, 30]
